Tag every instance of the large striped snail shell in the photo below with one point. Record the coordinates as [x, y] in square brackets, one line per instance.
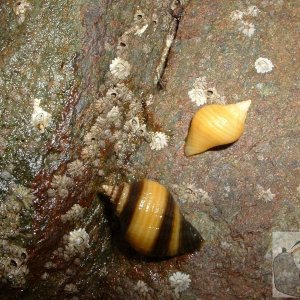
[151, 220]
[215, 125]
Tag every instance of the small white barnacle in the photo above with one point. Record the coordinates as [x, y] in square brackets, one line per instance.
[263, 65]
[100, 121]
[89, 152]
[91, 137]
[141, 288]
[63, 181]
[200, 83]
[45, 276]
[100, 105]
[77, 241]
[142, 130]
[134, 124]
[20, 8]
[198, 96]
[159, 140]
[236, 15]
[74, 213]
[120, 68]
[40, 119]
[113, 113]
[252, 11]
[75, 168]
[179, 282]
[70, 288]
[24, 195]
[265, 195]
[247, 28]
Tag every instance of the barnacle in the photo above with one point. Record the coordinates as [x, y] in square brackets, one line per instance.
[40, 119]
[75, 168]
[25, 195]
[179, 282]
[61, 181]
[263, 65]
[113, 113]
[265, 195]
[236, 15]
[120, 68]
[159, 140]
[141, 287]
[252, 11]
[198, 96]
[75, 213]
[20, 9]
[76, 243]
[247, 28]
[70, 288]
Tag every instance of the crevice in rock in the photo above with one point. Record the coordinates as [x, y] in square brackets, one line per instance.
[176, 12]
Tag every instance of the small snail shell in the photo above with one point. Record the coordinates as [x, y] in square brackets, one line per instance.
[151, 220]
[215, 125]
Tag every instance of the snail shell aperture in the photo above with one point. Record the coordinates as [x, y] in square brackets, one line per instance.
[151, 220]
[215, 125]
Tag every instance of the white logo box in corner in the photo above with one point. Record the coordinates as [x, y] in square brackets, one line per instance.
[286, 264]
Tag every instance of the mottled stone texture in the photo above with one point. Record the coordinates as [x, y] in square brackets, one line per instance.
[236, 196]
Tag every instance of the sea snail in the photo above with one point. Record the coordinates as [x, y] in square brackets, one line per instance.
[151, 220]
[215, 125]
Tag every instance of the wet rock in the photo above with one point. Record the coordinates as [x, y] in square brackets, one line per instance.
[114, 75]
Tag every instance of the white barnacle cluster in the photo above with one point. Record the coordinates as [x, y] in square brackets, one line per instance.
[20, 7]
[179, 282]
[40, 119]
[119, 126]
[136, 127]
[245, 26]
[159, 140]
[75, 213]
[13, 257]
[77, 241]
[61, 185]
[16, 204]
[265, 195]
[263, 65]
[120, 68]
[201, 92]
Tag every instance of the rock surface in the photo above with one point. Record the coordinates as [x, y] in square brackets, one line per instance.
[95, 121]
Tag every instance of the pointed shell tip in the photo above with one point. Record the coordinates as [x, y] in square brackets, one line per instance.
[244, 105]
